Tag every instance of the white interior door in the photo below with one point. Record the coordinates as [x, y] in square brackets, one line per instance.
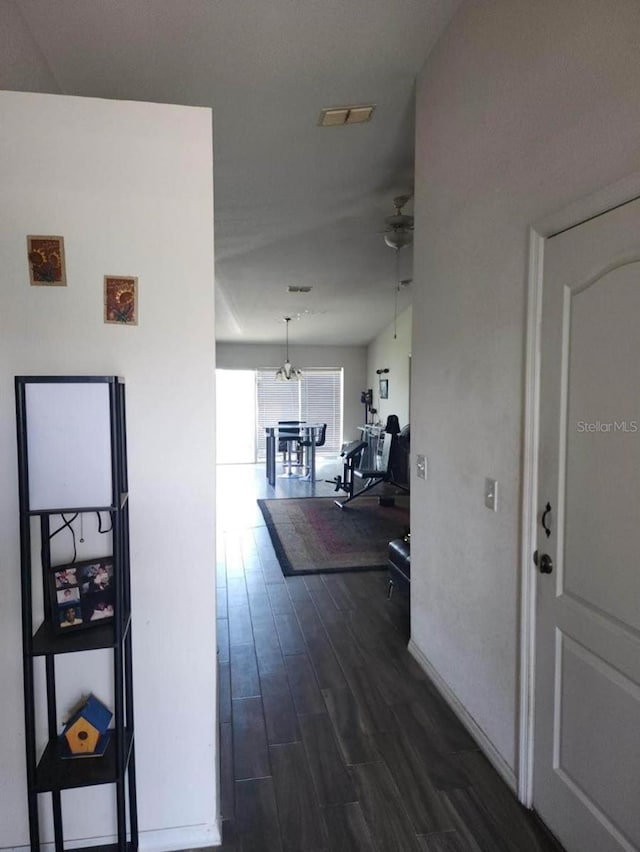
[587, 700]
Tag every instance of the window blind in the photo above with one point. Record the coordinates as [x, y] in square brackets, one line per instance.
[316, 399]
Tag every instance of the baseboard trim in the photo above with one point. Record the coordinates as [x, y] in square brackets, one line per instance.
[157, 840]
[485, 744]
[185, 837]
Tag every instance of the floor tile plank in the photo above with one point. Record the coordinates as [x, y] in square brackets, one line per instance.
[297, 589]
[325, 664]
[255, 583]
[370, 699]
[301, 820]
[221, 602]
[259, 606]
[332, 781]
[237, 591]
[422, 800]
[222, 628]
[351, 726]
[348, 830]
[279, 711]
[383, 808]
[250, 756]
[304, 687]
[291, 641]
[513, 821]
[224, 692]
[444, 772]
[433, 711]
[257, 816]
[244, 672]
[280, 600]
[449, 841]
[324, 603]
[226, 771]
[473, 822]
[240, 631]
[310, 624]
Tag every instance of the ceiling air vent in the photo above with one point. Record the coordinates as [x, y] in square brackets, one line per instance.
[293, 289]
[337, 116]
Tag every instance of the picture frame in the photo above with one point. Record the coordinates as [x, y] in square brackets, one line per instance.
[121, 299]
[47, 267]
[81, 594]
[384, 388]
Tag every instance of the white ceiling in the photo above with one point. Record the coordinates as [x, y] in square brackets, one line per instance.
[294, 203]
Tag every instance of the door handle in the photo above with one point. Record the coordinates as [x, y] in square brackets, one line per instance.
[544, 562]
[543, 521]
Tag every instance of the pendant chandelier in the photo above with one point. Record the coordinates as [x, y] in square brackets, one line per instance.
[288, 371]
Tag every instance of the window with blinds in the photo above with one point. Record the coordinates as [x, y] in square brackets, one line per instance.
[316, 399]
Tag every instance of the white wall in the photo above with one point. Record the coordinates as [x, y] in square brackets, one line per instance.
[393, 353]
[129, 186]
[353, 360]
[522, 108]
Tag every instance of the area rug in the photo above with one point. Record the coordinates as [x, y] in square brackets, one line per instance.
[311, 535]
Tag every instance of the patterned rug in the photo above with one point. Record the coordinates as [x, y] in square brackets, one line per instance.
[311, 535]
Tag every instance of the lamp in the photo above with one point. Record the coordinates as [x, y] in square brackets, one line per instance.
[287, 371]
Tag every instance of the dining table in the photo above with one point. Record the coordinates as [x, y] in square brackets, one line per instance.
[306, 432]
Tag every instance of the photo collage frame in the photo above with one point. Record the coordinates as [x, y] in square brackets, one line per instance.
[82, 594]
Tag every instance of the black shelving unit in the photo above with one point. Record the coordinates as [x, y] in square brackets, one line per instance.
[48, 772]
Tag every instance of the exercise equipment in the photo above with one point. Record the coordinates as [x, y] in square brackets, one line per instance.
[376, 467]
[351, 453]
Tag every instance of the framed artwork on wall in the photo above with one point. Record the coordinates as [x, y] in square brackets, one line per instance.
[384, 388]
[121, 299]
[46, 261]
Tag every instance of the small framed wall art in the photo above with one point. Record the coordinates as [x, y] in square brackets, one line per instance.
[384, 388]
[121, 299]
[46, 261]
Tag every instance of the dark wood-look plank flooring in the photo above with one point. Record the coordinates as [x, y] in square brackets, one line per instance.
[332, 737]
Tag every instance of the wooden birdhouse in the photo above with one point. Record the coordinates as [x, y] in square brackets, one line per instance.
[86, 732]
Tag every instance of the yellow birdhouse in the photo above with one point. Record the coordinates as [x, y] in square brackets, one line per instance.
[86, 732]
[82, 737]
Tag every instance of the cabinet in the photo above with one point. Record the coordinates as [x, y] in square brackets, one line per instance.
[72, 467]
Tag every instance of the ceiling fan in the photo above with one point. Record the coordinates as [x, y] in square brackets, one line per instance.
[398, 232]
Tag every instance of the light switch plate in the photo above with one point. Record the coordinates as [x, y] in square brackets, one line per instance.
[491, 494]
[421, 467]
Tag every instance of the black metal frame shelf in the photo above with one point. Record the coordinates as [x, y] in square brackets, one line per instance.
[53, 773]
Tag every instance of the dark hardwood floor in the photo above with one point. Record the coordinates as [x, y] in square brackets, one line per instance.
[332, 738]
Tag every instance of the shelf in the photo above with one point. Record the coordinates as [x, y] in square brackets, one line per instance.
[107, 847]
[71, 510]
[57, 773]
[47, 641]
[91, 431]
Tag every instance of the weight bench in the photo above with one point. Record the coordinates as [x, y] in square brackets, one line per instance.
[351, 453]
[371, 475]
